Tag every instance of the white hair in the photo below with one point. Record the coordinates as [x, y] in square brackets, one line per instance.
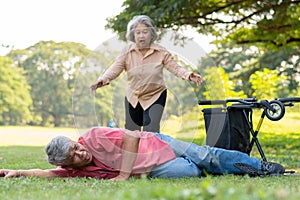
[140, 19]
[57, 150]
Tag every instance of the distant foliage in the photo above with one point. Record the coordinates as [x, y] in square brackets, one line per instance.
[267, 84]
[15, 99]
[219, 86]
[50, 71]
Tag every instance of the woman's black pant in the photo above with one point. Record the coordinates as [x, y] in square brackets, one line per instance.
[149, 119]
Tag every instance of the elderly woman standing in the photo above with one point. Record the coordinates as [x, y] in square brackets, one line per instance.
[144, 61]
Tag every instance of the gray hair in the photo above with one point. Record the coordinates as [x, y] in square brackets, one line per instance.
[140, 19]
[57, 150]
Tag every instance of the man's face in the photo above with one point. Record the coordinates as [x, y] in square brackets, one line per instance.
[78, 156]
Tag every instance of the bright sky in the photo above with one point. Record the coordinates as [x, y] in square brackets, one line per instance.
[26, 22]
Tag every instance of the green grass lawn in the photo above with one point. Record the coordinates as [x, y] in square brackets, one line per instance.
[280, 141]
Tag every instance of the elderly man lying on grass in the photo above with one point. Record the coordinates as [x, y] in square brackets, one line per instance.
[118, 154]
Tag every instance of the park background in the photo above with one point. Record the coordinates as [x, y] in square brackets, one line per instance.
[44, 84]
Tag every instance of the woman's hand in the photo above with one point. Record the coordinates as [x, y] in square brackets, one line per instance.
[196, 78]
[96, 85]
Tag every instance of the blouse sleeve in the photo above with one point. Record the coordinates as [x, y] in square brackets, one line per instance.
[114, 70]
[172, 66]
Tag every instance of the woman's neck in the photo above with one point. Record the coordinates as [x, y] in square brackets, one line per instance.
[144, 50]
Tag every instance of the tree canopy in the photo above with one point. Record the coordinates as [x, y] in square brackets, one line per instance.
[272, 22]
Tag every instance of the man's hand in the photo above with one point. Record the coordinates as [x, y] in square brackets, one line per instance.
[9, 173]
[123, 176]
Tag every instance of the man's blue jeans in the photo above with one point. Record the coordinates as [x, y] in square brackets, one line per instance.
[192, 159]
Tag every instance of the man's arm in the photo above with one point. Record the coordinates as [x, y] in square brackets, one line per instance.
[130, 145]
[7, 173]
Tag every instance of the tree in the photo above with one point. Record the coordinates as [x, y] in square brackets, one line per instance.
[50, 70]
[15, 99]
[271, 22]
[240, 63]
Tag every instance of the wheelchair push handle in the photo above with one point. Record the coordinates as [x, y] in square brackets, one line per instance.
[211, 102]
[289, 100]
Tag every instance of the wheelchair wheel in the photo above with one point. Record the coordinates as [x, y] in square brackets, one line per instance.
[279, 111]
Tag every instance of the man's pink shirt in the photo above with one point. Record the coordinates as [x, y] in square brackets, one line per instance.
[105, 145]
